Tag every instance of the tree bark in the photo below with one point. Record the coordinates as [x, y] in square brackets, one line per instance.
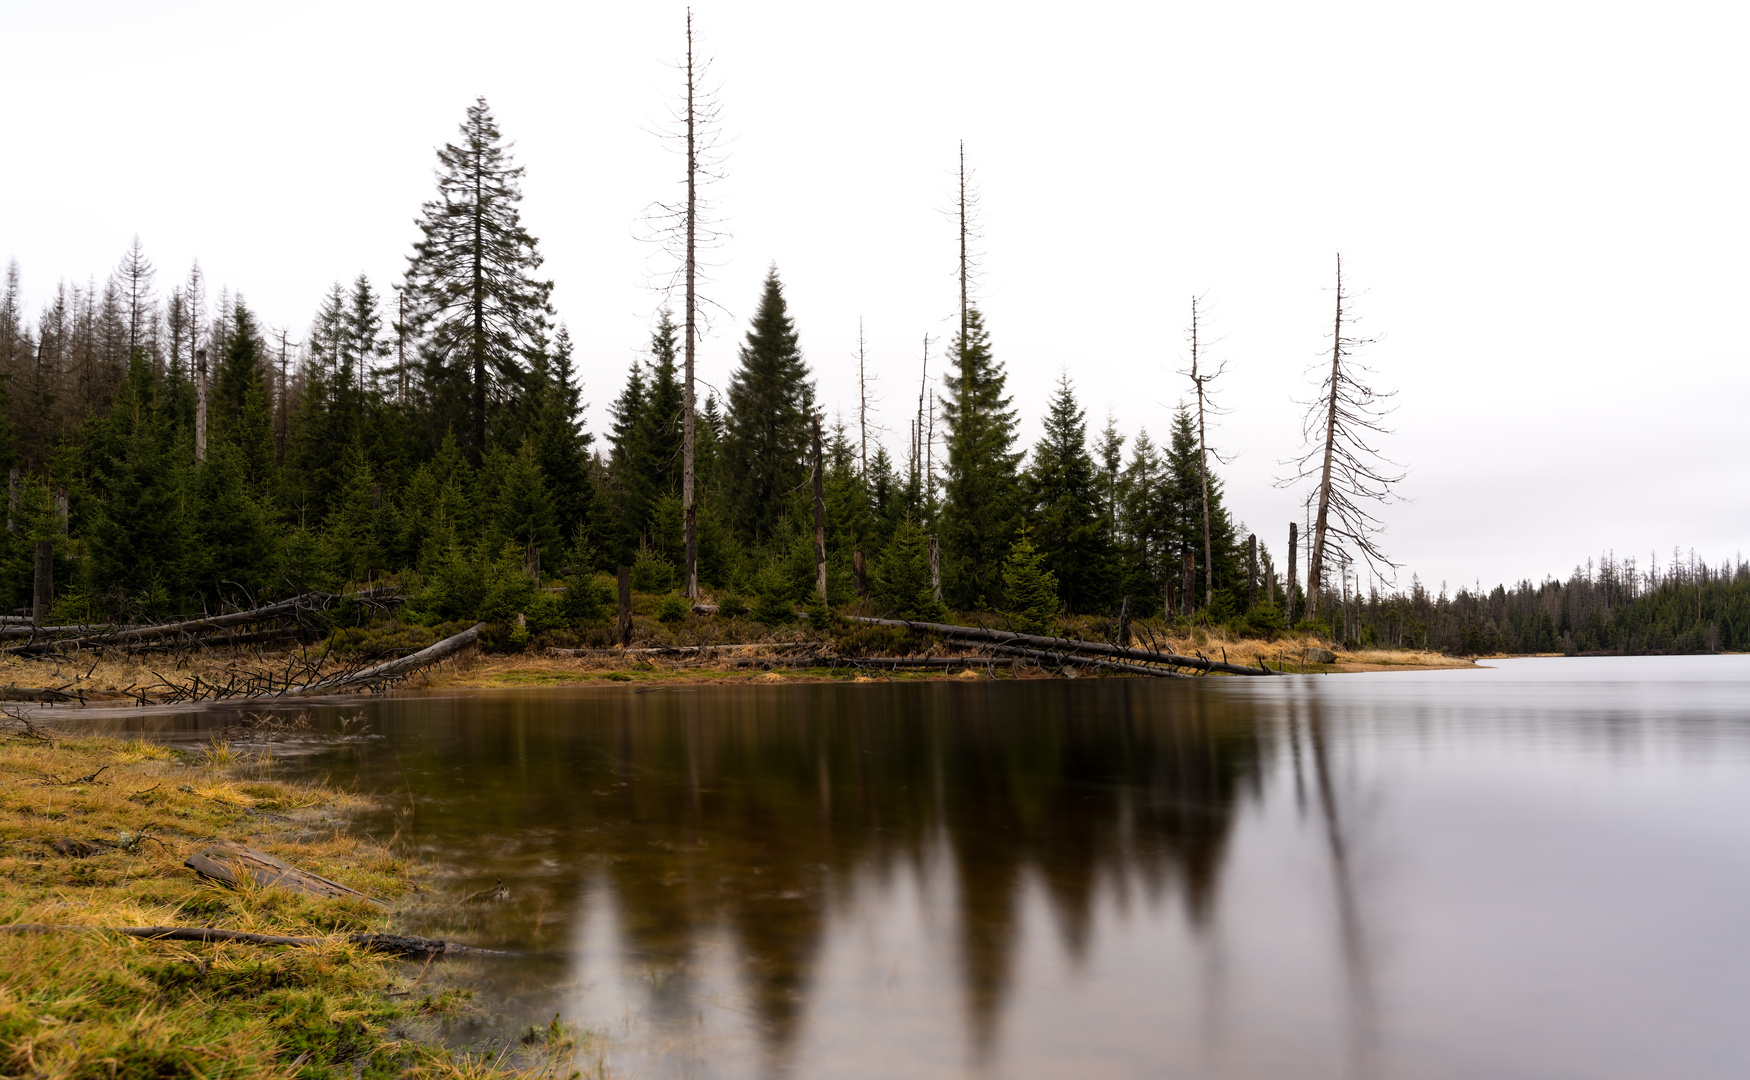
[819, 516]
[1316, 563]
[44, 592]
[936, 568]
[1293, 550]
[688, 508]
[1064, 645]
[200, 404]
[625, 606]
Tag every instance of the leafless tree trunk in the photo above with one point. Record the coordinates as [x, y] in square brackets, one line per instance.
[1288, 586]
[1200, 381]
[1350, 473]
[862, 399]
[200, 404]
[692, 330]
[819, 516]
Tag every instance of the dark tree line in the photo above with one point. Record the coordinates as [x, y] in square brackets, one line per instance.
[1607, 606]
[181, 456]
[432, 433]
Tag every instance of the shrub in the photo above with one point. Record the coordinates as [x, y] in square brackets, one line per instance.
[587, 599]
[1031, 589]
[673, 608]
[731, 605]
[651, 573]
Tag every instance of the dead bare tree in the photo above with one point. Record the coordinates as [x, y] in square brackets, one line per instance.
[685, 229]
[1348, 471]
[1200, 380]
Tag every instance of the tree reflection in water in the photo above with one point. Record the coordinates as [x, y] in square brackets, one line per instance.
[753, 811]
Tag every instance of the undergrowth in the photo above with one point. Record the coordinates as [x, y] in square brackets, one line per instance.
[93, 833]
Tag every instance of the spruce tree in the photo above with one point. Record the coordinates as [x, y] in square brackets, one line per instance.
[239, 403]
[980, 491]
[476, 306]
[134, 489]
[231, 560]
[771, 418]
[1066, 507]
[632, 491]
[1181, 507]
[1029, 589]
[561, 445]
[659, 423]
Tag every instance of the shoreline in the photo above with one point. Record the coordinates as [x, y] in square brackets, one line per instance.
[95, 832]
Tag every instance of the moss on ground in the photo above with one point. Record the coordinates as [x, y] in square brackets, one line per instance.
[93, 833]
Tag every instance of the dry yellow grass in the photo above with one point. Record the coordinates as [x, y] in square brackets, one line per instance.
[93, 833]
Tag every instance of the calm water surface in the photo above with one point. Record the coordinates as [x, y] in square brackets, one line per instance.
[1538, 870]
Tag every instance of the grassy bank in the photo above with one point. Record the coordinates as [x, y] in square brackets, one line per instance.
[93, 833]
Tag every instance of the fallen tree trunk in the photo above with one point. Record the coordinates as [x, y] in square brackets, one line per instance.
[232, 864]
[1072, 645]
[293, 606]
[666, 650]
[431, 654]
[1065, 659]
[860, 661]
[396, 944]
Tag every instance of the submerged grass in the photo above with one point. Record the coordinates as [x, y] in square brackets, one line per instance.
[93, 832]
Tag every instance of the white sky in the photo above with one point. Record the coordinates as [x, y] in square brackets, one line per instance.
[1545, 205]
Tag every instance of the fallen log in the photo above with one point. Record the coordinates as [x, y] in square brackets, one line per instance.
[979, 633]
[665, 650]
[1065, 659]
[32, 693]
[431, 654]
[296, 604]
[232, 864]
[860, 661]
[395, 944]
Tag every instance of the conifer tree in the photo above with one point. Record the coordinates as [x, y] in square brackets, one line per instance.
[138, 533]
[475, 303]
[633, 492]
[981, 490]
[659, 434]
[900, 582]
[240, 401]
[1029, 589]
[1181, 505]
[1066, 508]
[232, 555]
[771, 415]
[560, 443]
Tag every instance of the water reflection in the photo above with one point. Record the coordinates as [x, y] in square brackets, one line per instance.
[1322, 877]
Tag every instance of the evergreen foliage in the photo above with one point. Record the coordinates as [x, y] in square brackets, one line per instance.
[981, 493]
[1031, 589]
[1065, 505]
[770, 423]
[476, 304]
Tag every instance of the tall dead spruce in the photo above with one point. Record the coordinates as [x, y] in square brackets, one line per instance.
[1200, 378]
[1349, 473]
[685, 229]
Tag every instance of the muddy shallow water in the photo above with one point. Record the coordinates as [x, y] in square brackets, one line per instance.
[1541, 869]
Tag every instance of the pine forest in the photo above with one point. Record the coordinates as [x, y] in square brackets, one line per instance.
[179, 457]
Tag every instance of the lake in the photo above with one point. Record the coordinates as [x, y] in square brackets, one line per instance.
[1539, 869]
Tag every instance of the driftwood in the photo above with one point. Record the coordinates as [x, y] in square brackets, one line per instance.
[1064, 645]
[232, 864]
[1064, 659]
[396, 944]
[666, 650]
[431, 654]
[184, 628]
[31, 693]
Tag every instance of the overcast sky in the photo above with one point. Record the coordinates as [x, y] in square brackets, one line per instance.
[1542, 208]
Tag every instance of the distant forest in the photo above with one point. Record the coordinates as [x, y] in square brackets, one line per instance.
[182, 457]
